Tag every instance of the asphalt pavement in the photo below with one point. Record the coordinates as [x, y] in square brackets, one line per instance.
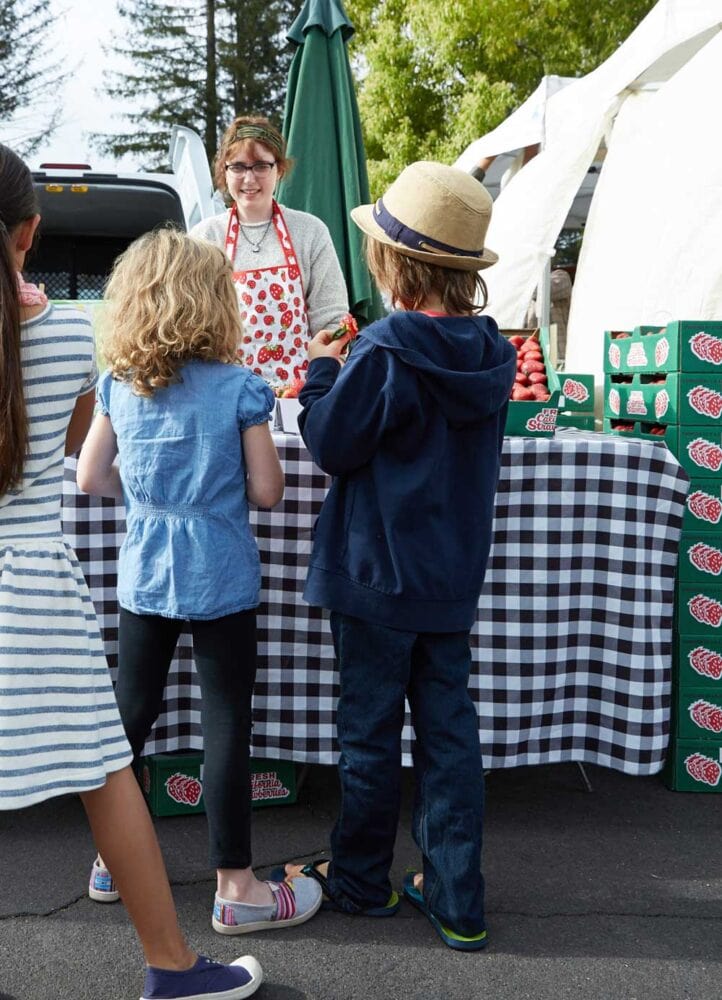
[613, 894]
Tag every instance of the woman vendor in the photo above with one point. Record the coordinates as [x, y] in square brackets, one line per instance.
[285, 269]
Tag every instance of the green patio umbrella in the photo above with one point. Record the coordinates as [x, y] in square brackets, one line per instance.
[323, 132]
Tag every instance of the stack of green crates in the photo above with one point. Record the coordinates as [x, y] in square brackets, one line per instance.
[665, 384]
[576, 402]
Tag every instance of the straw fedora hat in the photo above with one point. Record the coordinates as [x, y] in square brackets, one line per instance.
[435, 213]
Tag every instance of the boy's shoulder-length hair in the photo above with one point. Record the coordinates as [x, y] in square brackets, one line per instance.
[170, 299]
[411, 282]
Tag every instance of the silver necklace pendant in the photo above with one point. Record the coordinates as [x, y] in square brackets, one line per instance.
[256, 247]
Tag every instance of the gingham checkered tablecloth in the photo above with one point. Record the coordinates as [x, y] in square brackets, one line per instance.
[572, 644]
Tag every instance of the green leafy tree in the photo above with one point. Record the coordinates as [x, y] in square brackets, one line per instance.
[29, 78]
[194, 63]
[435, 76]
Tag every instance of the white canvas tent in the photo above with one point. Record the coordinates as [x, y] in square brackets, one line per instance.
[650, 250]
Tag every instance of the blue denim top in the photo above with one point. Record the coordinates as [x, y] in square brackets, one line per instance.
[189, 551]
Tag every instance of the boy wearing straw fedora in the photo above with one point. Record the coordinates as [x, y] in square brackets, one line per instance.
[411, 428]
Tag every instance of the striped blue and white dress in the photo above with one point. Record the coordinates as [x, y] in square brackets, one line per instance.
[60, 730]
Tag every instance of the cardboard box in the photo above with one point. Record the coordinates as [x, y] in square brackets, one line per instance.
[700, 558]
[703, 506]
[699, 611]
[576, 392]
[684, 345]
[698, 663]
[667, 434]
[698, 714]
[533, 419]
[582, 421]
[671, 398]
[694, 766]
[173, 782]
[699, 451]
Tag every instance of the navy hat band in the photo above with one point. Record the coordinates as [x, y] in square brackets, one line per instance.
[410, 238]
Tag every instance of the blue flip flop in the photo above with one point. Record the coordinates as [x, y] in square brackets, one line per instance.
[450, 938]
[311, 870]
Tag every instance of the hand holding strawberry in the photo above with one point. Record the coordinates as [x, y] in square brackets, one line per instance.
[348, 328]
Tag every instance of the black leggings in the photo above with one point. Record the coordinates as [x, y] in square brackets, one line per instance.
[224, 650]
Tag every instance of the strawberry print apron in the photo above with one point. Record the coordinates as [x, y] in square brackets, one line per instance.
[273, 310]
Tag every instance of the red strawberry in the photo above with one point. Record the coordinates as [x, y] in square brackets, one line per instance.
[277, 352]
[276, 290]
[282, 374]
[286, 319]
[264, 356]
[268, 320]
[297, 342]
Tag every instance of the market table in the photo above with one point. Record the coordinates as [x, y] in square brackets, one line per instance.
[572, 643]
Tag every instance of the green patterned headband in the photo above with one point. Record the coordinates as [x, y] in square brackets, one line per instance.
[260, 133]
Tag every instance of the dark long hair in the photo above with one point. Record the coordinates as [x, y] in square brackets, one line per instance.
[17, 204]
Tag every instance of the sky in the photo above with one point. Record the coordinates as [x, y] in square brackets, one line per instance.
[80, 32]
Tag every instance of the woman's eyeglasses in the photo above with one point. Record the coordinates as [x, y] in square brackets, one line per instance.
[261, 168]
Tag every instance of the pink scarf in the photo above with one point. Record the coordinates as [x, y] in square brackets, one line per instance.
[30, 295]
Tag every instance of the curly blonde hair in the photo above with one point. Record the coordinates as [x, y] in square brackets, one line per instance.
[170, 298]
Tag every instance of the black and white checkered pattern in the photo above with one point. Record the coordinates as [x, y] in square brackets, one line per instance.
[573, 640]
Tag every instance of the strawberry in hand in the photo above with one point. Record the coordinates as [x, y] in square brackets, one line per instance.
[349, 327]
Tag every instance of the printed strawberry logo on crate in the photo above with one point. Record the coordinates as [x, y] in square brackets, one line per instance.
[184, 788]
[705, 401]
[661, 352]
[705, 454]
[705, 610]
[706, 662]
[704, 506]
[706, 558]
[706, 347]
[703, 769]
[614, 401]
[615, 356]
[661, 403]
[706, 715]
[575, 390]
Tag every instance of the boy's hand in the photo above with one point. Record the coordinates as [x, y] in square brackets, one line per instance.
[323, 345]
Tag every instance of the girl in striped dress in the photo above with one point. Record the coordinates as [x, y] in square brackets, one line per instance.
[60, 730]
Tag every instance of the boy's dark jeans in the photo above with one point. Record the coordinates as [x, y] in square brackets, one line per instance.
[224, 650]
[379, 667]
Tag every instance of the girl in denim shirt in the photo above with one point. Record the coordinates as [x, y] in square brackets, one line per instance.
[189, 425]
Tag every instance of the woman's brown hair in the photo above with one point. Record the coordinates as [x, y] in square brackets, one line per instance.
[17, 204]
[411, 282]
[250, 128]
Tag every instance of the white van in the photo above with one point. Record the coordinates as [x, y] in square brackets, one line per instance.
[89, 216]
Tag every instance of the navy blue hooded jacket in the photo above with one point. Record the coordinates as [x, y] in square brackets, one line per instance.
[411, 429]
